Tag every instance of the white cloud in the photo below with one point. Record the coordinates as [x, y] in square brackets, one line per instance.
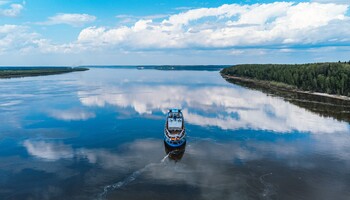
[70, 19]
[13, 11]
[332, 1]
[134, 18]
[276, 24]
[15, 37]
[18, 39]
[239, 30]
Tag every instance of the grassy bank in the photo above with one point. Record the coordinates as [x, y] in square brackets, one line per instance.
[15, 72]
[330, 78]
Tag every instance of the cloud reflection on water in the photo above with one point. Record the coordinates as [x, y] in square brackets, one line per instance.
[54, 151]
[216, 170]
[228, 108]
[79, 159]
[48, 151]
[71, 115]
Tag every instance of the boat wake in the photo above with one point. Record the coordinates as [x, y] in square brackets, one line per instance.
[129, 179]
[269, 189]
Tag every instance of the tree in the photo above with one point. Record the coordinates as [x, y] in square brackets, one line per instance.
[333, 78]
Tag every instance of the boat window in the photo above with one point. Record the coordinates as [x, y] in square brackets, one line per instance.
[174, 123]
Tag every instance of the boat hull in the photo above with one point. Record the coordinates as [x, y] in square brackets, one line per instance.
[174, 143]
[175, 153]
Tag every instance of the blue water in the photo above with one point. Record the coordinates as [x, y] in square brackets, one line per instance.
[98, 135]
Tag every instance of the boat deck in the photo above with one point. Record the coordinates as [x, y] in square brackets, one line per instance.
[174, 130]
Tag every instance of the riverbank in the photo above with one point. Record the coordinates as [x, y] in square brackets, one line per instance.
[329, 77]
[18, 72]
[281, 86]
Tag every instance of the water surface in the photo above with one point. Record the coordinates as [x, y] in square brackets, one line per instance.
[98, 135]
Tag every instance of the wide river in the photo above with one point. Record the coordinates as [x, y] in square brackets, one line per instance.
[98, 134]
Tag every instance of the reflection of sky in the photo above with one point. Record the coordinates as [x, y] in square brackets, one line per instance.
[71, 115]
[216, 104]
[75, 133]
[217, 171]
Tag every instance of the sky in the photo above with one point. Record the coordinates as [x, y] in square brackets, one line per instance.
[181, 32]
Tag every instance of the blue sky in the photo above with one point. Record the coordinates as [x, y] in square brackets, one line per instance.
[133, 32]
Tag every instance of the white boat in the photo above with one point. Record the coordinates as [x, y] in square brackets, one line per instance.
[174, 132]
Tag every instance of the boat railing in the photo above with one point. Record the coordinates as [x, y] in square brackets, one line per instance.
[179, 135]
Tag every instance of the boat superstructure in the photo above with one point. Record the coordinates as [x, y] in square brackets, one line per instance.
[174, 132]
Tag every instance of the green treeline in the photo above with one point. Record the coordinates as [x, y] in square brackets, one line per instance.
[13, 72]
[331, 78]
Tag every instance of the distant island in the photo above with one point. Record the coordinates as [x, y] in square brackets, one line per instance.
[329, 78]
[16, 72]
[184, 67]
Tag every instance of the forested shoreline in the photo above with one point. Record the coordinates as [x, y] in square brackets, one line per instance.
[331, 78]
[16, 72]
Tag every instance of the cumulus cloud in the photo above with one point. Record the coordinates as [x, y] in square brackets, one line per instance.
[134, 18]
[279, 24]
[235, 28]
[70, 19]
[13, 11]
[15, 37]
[22, 40]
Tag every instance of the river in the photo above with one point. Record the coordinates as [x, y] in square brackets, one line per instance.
[98, 134]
